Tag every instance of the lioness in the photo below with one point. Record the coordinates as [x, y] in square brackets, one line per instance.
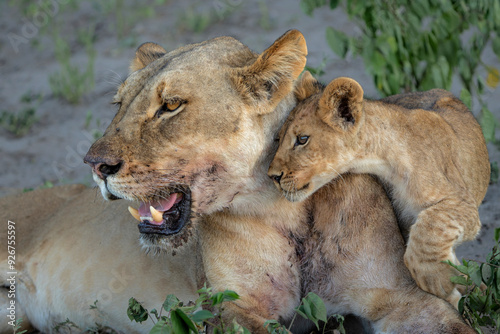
[191, 143]
[426, 146]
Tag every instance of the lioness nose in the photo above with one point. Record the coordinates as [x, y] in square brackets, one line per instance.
[101, 167]
[276, 178]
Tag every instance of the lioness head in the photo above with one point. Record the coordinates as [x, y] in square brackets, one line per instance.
[194, 131]
[318, 140]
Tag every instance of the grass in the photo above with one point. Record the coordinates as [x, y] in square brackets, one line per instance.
[19, 123]
[71, 82]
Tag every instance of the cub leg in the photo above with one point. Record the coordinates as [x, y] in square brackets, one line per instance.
[433, 238]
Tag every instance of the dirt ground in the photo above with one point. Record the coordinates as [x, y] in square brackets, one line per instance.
[51, 151]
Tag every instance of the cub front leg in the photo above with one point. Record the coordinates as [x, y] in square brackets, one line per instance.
[433, 238]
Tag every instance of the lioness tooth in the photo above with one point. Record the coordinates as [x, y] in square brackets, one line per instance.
[134, 213]
[157, 215]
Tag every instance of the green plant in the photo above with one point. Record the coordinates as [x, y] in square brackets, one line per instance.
[189, 318]
[195, 20]
[18, 327]
[69, 326]
[265, 19]
[18, 123]
[319, 70]
[71, 83]
[480, 305]
[65, 326]
[419, 45]
[312, 308]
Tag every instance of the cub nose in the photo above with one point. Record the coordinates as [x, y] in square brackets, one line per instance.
[103, 167]
[276, 178]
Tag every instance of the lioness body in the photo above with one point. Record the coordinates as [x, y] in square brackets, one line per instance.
[186, 139]
[426, 146]
[71, 249]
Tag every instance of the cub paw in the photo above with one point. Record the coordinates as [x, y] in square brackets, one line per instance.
[432, 275]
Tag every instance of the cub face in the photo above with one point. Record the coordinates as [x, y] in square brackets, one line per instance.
[188, 136]
[319, 139]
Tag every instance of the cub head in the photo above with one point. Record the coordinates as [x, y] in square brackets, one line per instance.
[194, 130]
[319, 138]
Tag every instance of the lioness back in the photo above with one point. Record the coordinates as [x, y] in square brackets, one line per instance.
[426, 147]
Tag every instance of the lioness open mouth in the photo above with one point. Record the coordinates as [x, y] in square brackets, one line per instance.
[167, 215]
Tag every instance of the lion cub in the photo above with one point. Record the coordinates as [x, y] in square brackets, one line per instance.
[426, 147]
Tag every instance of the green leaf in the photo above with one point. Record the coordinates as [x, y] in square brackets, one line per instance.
[181, 324]
[486, 273]
[306, 308]
[488, 124]
[230, 295]
[187, 320]
[461, 268]
[136, 312]
[161, 327]
[466, 97]
[497, 230]
[475, 273]
[308, 6]
[495, 45]
[459, 280]
[313, 308]
[224, 296]
[300, 312]
[202, 315]
[337, 41]
[461, 305]
[170, 302]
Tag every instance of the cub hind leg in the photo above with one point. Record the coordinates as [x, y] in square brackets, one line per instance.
[432, 240]
[418, 312]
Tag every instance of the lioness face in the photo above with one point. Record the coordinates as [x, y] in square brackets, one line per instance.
[318, 140]
[188, 134]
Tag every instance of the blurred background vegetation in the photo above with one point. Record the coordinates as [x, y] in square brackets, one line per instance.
[405, 45]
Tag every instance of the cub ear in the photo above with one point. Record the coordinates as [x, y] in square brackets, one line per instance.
[145, 54]
[271, 77]
[342, 103]
[306, 86]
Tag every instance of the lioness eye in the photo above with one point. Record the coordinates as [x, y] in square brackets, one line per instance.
[172, 106]
[301, 140]
[169, 106]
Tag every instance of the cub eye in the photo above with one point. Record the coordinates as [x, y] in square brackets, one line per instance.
[301, 140]
[169, 106]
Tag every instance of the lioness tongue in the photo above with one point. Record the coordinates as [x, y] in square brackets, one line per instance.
[160, 205]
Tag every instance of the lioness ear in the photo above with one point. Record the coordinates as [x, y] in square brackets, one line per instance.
[306, 86]
[145, 54]
[342, 103]
[271, 77]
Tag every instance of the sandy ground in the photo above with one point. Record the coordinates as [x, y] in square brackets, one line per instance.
[54, 146]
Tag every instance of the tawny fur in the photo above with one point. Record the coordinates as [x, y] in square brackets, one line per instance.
[427, 147]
